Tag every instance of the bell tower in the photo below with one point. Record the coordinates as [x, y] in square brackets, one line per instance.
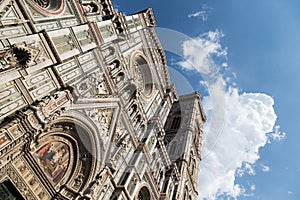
[183, 140]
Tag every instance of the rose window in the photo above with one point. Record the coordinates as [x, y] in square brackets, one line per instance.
[43, 3]
[49, 6]
[143, 75]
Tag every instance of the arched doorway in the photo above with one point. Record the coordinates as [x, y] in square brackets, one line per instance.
[66, 155]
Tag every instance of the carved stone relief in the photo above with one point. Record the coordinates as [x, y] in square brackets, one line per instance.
[50, 107]
[30, 178]
[10, 173]
[95, 82]
[102, 117]
[26, 54]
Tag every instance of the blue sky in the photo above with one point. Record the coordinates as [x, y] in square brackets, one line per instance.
[258, 42]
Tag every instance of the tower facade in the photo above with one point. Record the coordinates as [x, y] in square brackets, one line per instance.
[87, 109]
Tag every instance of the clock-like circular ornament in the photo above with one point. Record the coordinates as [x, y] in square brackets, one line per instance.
[49, 7]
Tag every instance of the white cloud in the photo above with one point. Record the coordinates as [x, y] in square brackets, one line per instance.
[244, 121]
[248, 116]
[290, 192]
[252, 188]
[276, 134]
[224, 64]
[265, 168]
[198, 52]
[245, 168]
[202, 14]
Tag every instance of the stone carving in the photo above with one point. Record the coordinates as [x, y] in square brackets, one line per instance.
[50, 107]
[19, 183]
[122, 137]
[79, 179]
[119, 132]
[95, 81]
[124, 141]
[7, 60]
[96, 185]
[29, 53]
[104, 118]
[110, 51]
[90, 8]
[43, 3]
[25, 54]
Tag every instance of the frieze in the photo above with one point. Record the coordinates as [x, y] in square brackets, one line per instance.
[11, 32]
[48, 26]
[68, 23]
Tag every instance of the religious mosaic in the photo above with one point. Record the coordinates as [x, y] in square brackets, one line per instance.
[53, 158]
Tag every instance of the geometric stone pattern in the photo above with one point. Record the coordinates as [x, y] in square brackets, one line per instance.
[87, 110]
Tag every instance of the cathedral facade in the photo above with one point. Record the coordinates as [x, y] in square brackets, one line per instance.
[87, 109]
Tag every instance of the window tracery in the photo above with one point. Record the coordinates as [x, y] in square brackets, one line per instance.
[142, 75]
[49, 6]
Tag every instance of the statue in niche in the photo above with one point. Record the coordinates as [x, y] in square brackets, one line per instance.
[124, 141]
[96, 80]
[104, 118]
[115, 65]
[118, 134]
[90, 8]
[109, 51]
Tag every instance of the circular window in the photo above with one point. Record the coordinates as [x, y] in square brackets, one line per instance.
[43, 3]
[49, 6]
[21, 56]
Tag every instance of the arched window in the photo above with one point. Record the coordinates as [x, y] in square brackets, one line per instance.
[144, 194]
